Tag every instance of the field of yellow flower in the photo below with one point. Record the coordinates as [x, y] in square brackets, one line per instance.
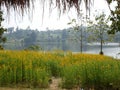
[35, 69]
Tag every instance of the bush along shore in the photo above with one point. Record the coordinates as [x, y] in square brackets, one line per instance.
[81, 71]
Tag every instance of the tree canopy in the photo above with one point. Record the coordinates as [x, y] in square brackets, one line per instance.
[62, 5]
[17, 5]
[2, 30]
[115, 17]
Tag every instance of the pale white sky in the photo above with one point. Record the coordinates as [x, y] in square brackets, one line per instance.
[51, 21]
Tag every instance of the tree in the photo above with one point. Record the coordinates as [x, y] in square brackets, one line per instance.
[2, 30]
[99, 29]
[64, 38]
[115, 17]
[30, 39]
[79, 29]
[117, 37]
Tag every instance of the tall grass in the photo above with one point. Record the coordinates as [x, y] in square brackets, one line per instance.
[35, 69]
[92, 71]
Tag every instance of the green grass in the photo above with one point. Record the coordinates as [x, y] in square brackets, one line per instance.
[35, 69]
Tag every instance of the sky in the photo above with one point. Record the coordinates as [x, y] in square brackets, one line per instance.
[49, 21]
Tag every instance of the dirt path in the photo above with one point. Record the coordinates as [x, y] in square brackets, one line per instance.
[55, 84]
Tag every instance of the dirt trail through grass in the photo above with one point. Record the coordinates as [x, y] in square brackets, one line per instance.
[55, 84]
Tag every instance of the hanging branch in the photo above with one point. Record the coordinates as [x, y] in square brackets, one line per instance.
[22, 6]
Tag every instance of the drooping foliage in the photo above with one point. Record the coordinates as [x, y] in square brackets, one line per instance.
[62, 5]
[2, 30]
[17, 5]
[115, 17]
[67, 4]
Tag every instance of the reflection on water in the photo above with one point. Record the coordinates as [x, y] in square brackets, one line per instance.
[109, 50]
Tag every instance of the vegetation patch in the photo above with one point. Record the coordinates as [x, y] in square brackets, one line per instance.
[36, 69]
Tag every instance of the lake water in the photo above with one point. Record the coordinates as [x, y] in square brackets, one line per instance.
[111, 49]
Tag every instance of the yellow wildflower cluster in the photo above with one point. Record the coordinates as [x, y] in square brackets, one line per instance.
[36, 69]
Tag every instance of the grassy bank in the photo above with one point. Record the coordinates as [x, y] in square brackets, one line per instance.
[35, 69]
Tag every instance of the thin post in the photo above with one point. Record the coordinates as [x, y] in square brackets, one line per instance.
[81, 38]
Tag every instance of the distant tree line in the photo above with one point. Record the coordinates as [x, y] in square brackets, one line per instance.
[19, 39]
